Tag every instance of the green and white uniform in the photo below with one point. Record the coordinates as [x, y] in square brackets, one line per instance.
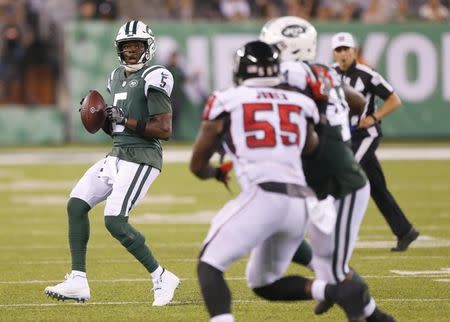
[333, 171]
[125, 175]
[141, 95]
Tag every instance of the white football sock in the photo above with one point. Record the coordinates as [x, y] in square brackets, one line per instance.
[318, 290]
[157, 272]
[228, 317]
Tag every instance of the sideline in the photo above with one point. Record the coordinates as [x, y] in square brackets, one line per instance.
[182, 155]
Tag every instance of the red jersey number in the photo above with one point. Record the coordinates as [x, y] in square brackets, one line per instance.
[289, 129]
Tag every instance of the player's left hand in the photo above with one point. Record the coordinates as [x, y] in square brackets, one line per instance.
[116, 114]
[366, 122]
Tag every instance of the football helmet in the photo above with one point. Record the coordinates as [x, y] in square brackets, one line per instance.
[135, 30]
[294, 37]
[256, 64]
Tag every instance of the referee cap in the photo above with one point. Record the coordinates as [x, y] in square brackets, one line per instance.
[342, 39]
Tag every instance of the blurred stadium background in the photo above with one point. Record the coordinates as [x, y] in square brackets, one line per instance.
[53, 51]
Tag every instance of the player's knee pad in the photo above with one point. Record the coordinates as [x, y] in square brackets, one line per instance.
[121, 230]
[77, 207]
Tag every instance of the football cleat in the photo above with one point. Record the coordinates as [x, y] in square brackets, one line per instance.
[351, 296]
[380, 316]
[164, 288]
[74, 287]
[323, 307]
[404, 241]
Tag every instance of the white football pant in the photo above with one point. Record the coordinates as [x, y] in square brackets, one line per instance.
[121, 183]
[267, 224]
[332, 252]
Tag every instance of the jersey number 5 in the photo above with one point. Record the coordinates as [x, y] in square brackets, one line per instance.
[290, 132]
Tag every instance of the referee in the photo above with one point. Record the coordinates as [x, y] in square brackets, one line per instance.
[366, 132]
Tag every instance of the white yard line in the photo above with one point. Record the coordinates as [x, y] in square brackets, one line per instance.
[182, 155]
[422, 242]
[442, 274]
[200, 302]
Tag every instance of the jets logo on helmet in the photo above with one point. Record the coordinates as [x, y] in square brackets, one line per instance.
[294, 37]
[135, 30]
[293, 31]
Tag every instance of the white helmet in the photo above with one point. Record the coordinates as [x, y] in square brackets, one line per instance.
[135, 30]
[294, 37]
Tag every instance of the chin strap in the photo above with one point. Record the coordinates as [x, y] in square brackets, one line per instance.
[134, 67]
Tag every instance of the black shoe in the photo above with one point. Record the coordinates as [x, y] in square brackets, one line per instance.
[380, 316]
[404, 241]
[351, 296]
[323, 307]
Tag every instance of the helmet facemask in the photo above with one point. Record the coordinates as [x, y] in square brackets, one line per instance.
[135, 31]
[256, 64]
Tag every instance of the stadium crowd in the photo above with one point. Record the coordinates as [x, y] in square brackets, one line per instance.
[31, 30]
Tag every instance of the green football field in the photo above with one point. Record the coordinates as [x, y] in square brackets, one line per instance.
[413, 286]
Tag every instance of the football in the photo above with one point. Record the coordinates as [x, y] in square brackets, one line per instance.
[92, 111]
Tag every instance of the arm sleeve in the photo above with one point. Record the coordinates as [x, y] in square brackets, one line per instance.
[158, 102]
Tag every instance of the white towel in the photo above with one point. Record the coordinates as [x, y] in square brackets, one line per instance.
[108, 171]
[322, 213]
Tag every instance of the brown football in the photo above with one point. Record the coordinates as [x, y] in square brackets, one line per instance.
[92, 111]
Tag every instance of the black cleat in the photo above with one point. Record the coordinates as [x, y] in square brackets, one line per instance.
[404, 241]
[323, 307]
[380, 316]
[351, 296]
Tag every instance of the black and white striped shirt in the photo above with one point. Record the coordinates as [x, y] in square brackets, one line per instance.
[370, 84]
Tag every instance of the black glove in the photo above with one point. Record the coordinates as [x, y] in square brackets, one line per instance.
[81, 103]
[116, 114]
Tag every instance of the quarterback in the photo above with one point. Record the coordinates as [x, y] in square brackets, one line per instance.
[139, 117]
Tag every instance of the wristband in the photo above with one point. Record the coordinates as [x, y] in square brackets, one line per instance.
[374, 118]
[140, 127]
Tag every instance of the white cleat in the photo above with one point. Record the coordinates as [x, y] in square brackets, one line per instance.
[164, 288]
[74, 287]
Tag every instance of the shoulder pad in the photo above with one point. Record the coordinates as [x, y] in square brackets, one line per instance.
[159, 78]
[218, 103]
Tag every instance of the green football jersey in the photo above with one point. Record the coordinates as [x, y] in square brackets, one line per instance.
[140, 95]
[333, 169]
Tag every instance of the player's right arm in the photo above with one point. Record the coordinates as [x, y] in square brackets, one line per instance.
[204, 148]
[208, 141]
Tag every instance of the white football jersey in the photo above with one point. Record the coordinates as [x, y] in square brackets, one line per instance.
[295, 75]
[267, 131]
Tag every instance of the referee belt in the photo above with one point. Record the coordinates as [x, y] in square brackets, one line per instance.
[289, 189]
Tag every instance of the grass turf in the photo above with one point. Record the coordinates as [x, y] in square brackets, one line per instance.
[34, 251]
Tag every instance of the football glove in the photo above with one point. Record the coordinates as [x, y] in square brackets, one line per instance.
[81, 103]
[116, 114]
[318, 89]
[222, 171]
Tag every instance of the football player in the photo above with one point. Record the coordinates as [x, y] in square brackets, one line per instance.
[332, 171]
[140, 116]
[264, 130]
